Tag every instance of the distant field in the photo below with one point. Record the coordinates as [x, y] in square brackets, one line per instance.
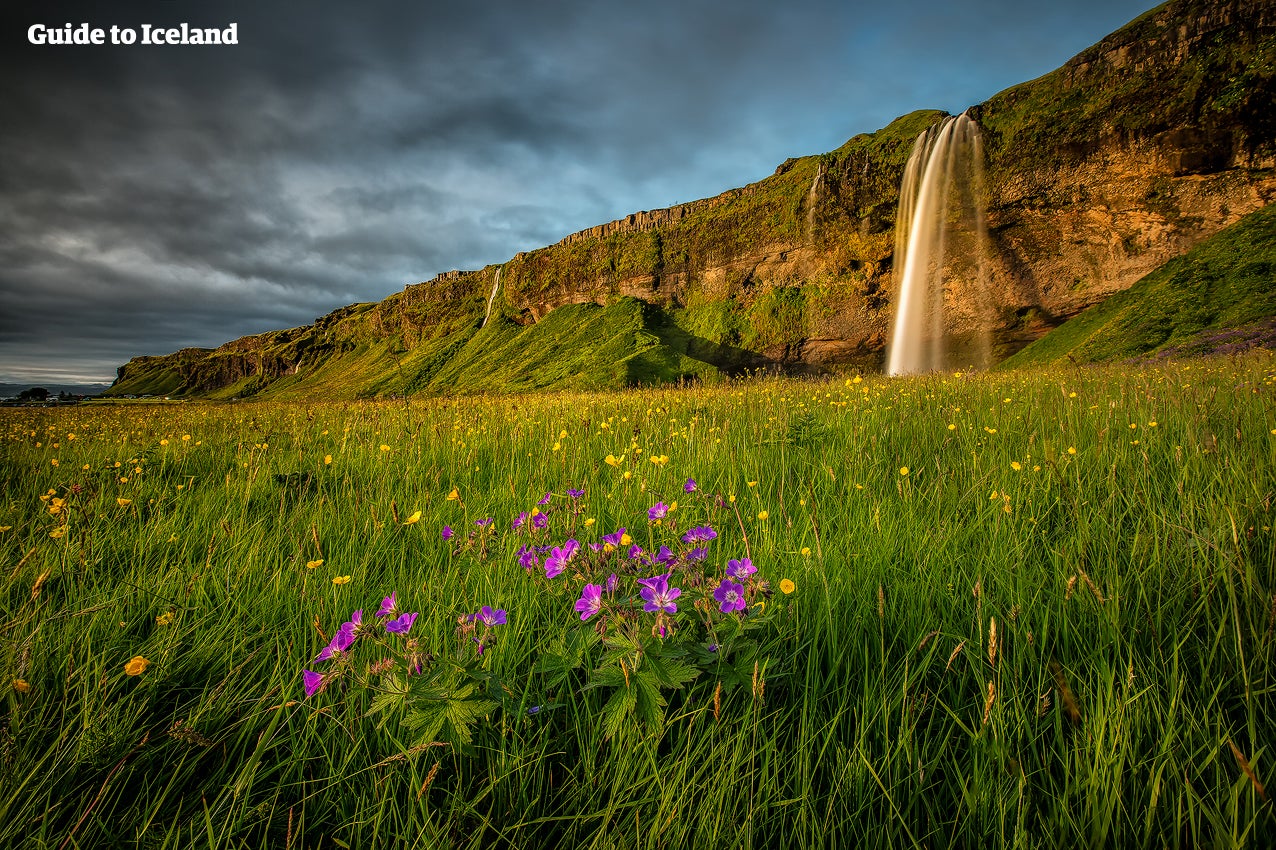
[1026, 609]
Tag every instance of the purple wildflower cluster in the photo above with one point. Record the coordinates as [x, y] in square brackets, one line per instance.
[390, 619]
[654, 574]
[387, 616]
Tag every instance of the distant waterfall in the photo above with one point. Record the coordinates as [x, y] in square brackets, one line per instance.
[496, 285]
[940, 230]
[811, 197]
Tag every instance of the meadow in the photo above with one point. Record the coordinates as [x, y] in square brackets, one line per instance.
[1020, 609]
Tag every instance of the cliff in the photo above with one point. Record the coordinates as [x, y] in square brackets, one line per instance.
[1134, 151]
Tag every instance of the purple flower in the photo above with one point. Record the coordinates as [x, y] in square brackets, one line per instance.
[635, 552]
[312, 681]
[612, 581]
[613, 539]
[447, 532]
[697, 554]
[527, 558]
[559, 558]
[518, 521]
[354, 625]
[545, 499]
[665, 556]
[483, 523]
[730, 595]
[340, 642]
[658, 595]
[401, 625]
[740, 569]
[540, 521]
[489, 617]
[389, 606]
[657, 511]
[575, 494]
[590, 602]
[699, 534]
[690, 486]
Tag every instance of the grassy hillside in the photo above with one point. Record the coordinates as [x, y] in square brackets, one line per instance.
[1216, 296]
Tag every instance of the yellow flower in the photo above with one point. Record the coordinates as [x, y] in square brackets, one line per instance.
[1016, 465]
[454, 496]
[327, 459]
[5, 527]
[310, 565]
[612, 460]
[806, 550]
[164, 619]
[58, 532]
[626, 540]
[123, 503]
[903, 470]
[186, 438]
[787, 586]
[763, 515]
[384, 447]
[341, 580]
[628, 474]
[589, 522]
[136, 666]
[952, 427]
[752, 483]
[163, 442]
[412, 520]
[21, 686]
[1072, 450]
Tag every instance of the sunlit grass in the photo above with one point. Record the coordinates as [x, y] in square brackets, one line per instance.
[1114, 524]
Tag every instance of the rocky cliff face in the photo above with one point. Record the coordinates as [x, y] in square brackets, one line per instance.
[1134, 151]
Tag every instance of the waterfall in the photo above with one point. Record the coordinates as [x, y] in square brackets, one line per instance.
[811, 198]
[940, 235]
[496, 284]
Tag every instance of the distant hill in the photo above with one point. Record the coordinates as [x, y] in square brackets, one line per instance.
[1133, 152]
[8, 390]
[1219, 297]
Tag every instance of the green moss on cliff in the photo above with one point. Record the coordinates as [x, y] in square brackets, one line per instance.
[1189, 305]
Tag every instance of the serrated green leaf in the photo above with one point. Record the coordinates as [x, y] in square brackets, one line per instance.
[671, 673]
[649, 704]
[617, 710]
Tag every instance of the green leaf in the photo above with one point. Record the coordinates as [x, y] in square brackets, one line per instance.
[649, 704]
[670, 673]
[617, 711]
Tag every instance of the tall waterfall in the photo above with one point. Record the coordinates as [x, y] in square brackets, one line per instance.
[940, 238]
[496, 284]
[811, 197]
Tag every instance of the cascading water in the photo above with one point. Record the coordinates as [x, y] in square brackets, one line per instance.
[811, 197]
[496, 285]
[940, 239]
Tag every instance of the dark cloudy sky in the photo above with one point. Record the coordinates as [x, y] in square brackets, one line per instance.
[158, 197]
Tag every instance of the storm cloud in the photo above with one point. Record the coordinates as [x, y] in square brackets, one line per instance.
[158, 197]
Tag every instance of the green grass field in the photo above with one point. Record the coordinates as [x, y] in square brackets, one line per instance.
[1027, 609]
